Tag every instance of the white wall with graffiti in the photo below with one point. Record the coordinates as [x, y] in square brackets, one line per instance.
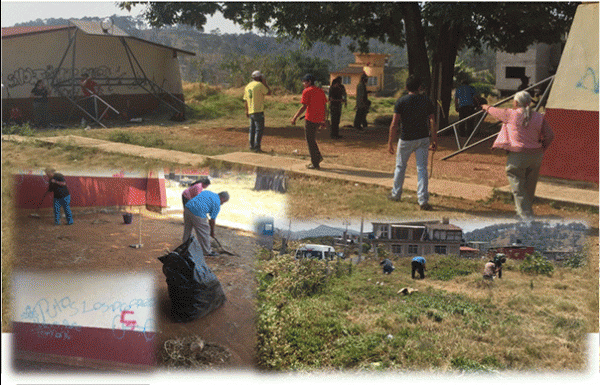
[576, 83]
[31, 57]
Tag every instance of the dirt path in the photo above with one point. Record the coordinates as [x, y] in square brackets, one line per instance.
[100, 242]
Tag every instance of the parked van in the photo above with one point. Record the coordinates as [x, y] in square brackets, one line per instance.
[321, 252]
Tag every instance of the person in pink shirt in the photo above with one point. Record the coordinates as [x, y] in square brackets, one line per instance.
[195, 189]
[314, 102]
[525, 135]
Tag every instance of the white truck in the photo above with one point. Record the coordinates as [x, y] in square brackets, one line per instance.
[320, 252]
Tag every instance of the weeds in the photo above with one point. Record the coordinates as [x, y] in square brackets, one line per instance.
[24, 130]
[536, 264]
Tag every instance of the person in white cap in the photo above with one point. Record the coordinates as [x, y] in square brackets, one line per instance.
[254, 102]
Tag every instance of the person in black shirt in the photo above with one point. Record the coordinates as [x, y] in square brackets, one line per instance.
[39, 93]
[337, 96]
[415, 113]
[62, 198]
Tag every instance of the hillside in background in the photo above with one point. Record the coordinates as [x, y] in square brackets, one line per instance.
[217, 53]
[320, 231]
[541, 235]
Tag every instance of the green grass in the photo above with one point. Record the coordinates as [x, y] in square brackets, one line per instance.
[357, 319]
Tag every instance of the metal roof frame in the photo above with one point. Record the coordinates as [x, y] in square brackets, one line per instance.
[139, 79]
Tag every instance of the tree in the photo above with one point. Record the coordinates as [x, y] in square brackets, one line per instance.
[433, 32]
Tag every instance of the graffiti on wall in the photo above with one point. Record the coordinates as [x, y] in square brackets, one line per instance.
[589, 81]
[56, 318]
[26, 76]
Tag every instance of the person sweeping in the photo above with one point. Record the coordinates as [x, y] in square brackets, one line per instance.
[62, 198]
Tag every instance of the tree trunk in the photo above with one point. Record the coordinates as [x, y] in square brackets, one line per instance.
[418, 61]
[444, 58]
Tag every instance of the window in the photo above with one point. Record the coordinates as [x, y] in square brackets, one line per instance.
[396, 249]
[399, 233]
[454, 236]
[346, 80]
[372, 81]
[515, 72]
[413, 249]
[417, 234]
[440, 249]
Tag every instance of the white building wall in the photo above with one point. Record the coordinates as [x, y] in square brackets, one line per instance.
[28, 58]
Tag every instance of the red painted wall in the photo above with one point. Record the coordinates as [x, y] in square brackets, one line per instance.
[113, 345]
[574, 153]
[93, 191]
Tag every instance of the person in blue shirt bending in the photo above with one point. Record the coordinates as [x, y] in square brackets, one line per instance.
[418, 264]
[195, 215]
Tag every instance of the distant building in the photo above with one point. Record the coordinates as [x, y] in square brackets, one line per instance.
[539, 62]
[469, 252]
[408, 239]
[512, 252]
[372, 64]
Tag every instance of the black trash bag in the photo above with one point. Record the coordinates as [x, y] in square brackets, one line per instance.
[193, 288]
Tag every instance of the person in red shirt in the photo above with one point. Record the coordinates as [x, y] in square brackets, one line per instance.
[314, 102]
[89, 87]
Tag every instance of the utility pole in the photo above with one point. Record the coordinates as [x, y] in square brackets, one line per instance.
[360, 238]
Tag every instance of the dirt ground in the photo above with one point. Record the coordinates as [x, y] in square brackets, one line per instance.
[100, 241]
[366, 149]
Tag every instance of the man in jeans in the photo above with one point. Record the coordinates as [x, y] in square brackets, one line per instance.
[57, 185]
[415, 113]
[254, 101]
[195, 216]
[314, 102]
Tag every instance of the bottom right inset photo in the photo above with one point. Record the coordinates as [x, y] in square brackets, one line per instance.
[436, 295]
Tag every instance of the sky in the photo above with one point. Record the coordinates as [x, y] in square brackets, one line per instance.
[14, 12]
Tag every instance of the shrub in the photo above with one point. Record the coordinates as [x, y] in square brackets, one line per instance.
[121, 137]
[536, 264]
[23, 130]
[575, 261]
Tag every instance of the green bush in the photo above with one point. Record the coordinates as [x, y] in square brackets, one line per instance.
[23, 130]
[575, 261]
[536, 264]
[121, 137]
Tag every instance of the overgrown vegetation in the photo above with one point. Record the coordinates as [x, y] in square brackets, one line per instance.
[317, 315]
[24, 130]
[536, 264]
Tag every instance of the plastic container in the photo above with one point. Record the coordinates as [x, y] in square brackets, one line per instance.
[127, 218]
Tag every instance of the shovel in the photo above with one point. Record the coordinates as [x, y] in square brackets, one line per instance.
[222, 250]
[139, 244]
[36, 215]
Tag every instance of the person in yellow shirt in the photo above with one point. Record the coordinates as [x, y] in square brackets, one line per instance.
[254, 101]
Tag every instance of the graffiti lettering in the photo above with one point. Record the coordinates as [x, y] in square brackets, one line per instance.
[589, 81]
[57, 331]
[127, 323]
[29, 76]
[44, 310]
[119, 327]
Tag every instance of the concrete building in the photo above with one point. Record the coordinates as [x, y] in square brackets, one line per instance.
[407, 239]
[539, 62]
[372, 64]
